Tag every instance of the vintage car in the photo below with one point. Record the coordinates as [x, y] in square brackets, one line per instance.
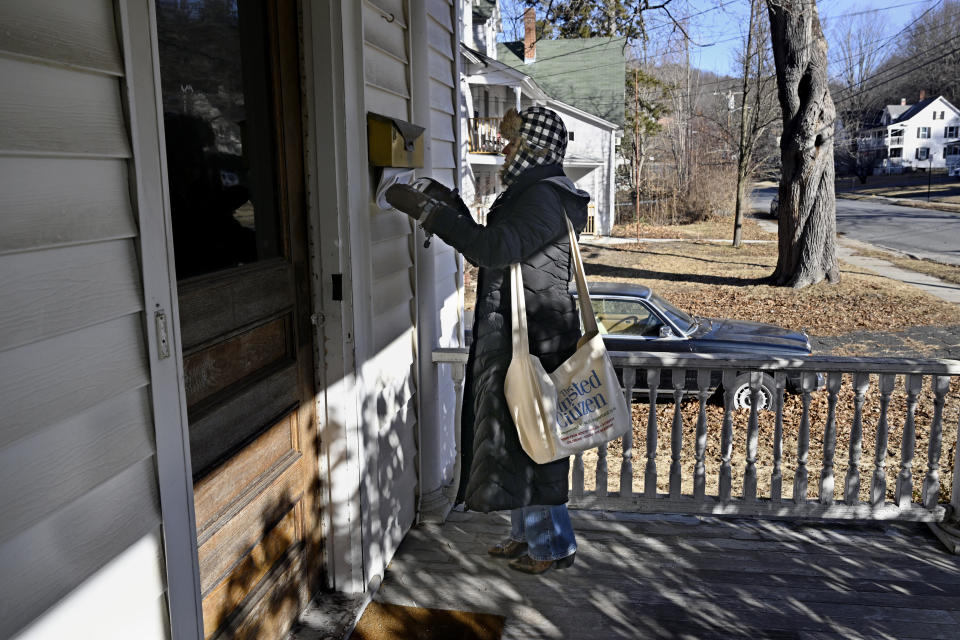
[631, 317]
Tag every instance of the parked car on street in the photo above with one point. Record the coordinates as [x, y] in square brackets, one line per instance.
[631, 317]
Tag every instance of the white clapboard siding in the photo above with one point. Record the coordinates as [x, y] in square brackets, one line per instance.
[79, 33]
[80, 537]
[48, 109]
[390, 489]
[72, 457]
[45, 292]
[35, 193]
[102, 611]
[42, 564]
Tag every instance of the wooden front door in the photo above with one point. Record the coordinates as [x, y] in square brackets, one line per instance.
[230, 77]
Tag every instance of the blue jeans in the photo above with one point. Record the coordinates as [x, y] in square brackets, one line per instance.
[547, 531]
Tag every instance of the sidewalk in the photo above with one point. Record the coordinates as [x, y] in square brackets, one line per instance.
[847, 247]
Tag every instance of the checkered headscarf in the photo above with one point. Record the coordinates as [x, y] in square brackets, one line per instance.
[541, 138]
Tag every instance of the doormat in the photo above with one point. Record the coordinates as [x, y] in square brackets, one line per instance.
[382, 621]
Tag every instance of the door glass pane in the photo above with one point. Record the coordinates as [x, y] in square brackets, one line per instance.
[219, 132]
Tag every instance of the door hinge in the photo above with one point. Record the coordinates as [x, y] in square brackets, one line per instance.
[163, 342]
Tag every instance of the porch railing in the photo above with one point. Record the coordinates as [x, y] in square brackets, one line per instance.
[865, 405]
[484, 135]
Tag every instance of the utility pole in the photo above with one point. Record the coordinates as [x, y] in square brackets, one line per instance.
[636, 147]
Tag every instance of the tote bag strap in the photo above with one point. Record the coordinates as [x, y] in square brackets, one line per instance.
[518, 314]
[583, 293]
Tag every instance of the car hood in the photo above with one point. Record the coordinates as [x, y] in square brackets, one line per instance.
[746, 333]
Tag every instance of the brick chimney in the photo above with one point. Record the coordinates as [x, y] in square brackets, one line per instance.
[923, 94]
[529, 35]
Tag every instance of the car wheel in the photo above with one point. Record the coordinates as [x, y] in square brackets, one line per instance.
[742, 396]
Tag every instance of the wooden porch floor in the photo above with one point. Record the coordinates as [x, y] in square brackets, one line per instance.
[643, 576]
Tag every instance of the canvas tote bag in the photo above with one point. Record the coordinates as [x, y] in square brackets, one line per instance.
[577, 407]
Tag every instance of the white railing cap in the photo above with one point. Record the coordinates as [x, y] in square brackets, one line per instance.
[820, 364]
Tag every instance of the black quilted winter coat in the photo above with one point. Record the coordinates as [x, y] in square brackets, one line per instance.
[525, 224]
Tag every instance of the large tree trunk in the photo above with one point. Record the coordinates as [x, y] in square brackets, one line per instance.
[808, 216]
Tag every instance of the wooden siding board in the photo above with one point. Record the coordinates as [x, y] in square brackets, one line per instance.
[441, 72]
[50, 292]
[441, 11]
[84, 368]
[44, 563]
[394, 8]
[389, 226]
[392, 325]
[389, 37]
[124, 599]
[79, 33]
[56, 465]
[391, 291]
[389, 256]
[35, 193]
[56, 110]
[440, 38]
[441, 99]
[444, 155]
[385, 103]
[442, 126]
[385, 72]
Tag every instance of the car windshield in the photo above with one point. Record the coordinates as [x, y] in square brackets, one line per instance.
[682, 319]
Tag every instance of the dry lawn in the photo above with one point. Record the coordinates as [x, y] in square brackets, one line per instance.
[716, 280]
[713, 229]
[720, 281]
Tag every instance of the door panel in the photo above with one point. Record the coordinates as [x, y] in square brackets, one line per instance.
[230, 74]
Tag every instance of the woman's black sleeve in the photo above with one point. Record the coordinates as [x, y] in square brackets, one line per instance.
[531, 221]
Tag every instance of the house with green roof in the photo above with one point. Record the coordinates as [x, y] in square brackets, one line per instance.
[587, 73]
[582, 80]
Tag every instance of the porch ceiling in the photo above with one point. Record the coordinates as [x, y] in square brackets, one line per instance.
[656, 576]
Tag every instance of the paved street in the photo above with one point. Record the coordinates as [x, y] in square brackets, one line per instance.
[920, 232]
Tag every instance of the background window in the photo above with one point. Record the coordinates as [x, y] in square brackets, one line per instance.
[923, 132]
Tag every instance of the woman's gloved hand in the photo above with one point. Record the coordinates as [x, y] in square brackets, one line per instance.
[413, 202]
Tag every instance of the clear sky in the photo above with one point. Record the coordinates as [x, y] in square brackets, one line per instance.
[718, 25]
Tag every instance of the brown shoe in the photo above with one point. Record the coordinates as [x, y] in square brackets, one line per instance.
[509, 548]
[526, 564]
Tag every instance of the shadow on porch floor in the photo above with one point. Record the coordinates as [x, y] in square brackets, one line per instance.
[643, 576]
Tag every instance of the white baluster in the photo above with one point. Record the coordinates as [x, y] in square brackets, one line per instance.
[931, 484]
[676, 432]
[808, 382]
[601, 489]
[753, 437]
[903, 494]
[830, 439]
[726, 435]
[776, 478]
[578, 476]
[851, 487]
[626, 468]
[650, 472]
[878, 488]
[699, 471]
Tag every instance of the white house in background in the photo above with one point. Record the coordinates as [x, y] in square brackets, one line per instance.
[924, 135]
[490, 87]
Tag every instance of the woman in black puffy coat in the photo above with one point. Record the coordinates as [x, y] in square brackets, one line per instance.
[526, 224]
